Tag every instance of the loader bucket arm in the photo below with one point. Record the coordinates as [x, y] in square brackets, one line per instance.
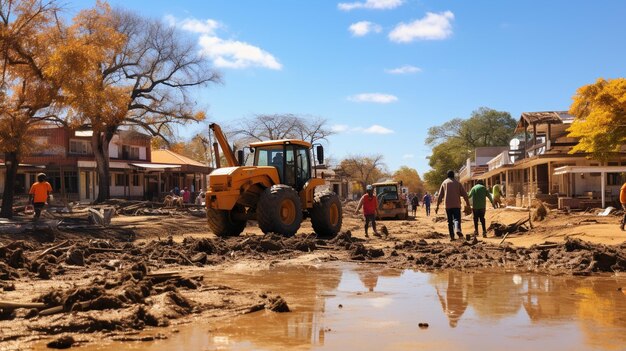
[221, 139]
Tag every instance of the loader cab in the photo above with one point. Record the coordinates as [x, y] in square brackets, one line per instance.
[291, 158]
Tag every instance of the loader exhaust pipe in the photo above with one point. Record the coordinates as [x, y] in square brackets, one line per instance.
[216, 149]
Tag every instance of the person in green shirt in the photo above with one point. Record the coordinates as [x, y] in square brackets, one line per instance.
[478, 196]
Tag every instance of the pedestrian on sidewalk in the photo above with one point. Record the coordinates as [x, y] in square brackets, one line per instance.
[497, 194]
[370, 209]
[186, 196]
[478, 195]
[451, 192]
[39, 194]
[415, 202]
[426, 203]
[622, 200]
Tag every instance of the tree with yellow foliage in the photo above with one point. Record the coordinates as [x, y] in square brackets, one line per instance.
[126, 70]
[29, 31]
[410, 178]
[600, 118]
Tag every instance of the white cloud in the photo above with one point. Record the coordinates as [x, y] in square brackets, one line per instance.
[339, 128]
[373, 129]
[406, 69]
[376, 129]
[408, 156]
[225, 53]
[435, 26]
[203, 27]
[370, 4]
[236, 54]
[363, 28]
[373, 97]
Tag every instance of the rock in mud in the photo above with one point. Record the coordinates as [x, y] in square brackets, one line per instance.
[278, 304]
[76, 257]
[16, 260]
[7, 286]
[64, 342]
[43, 272]
[375, 253]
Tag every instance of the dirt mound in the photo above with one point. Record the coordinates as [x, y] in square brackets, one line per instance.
[572, 257]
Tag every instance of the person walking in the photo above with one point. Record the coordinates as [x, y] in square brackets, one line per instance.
[415, 202]
[370, 209]
[497, 194]
[426, 203]
[478, 195]
[622, 200]
[451, 192]
[186, 196]
[200, 197]
[39, 194]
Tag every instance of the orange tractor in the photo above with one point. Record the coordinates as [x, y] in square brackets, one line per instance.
[278, 189]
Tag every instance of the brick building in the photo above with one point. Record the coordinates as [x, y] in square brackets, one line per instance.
[66, 157]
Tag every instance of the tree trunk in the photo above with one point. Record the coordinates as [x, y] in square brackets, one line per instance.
[100, 145]
[11, 161]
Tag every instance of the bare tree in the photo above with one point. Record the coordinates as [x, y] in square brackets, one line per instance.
[282, 126]
[364, 169]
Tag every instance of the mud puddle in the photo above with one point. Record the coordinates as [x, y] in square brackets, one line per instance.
[368, 307]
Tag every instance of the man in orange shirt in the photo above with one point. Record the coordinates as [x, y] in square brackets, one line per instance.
[622, 199]
[39, 194]
[370, 208]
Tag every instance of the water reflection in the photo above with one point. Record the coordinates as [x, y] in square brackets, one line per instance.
[381, 309]
[304, 289]
[453, 295]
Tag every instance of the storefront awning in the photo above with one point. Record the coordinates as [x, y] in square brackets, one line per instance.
[589, 169]
[603, 170]
[154, 166]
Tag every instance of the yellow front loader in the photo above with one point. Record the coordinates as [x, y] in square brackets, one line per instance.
[278, 190]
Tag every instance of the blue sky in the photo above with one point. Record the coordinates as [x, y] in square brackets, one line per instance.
[383, 71]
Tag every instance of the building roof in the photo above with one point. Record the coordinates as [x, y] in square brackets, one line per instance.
[543, 117]
[280, 142]
[170, 157]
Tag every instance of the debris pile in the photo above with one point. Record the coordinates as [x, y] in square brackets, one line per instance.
[571, 257]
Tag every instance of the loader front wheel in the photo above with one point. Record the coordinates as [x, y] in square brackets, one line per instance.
[223, 223]
[326, 214]
[279, 210]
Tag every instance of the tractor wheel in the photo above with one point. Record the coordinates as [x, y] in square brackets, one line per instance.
[279, 210]
[326, 215]
[222, 223]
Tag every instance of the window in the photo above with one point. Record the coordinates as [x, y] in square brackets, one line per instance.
[303, 170]
[136, 180]
[80, 147]
[121, 179]
[130, 152]
[70, 181]
[614, 179]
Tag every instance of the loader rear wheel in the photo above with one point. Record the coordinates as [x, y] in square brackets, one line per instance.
[223, 223]
[326, 214]
[279, 210]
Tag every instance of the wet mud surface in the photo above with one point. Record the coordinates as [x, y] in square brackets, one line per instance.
[108, 288]
[339, 306]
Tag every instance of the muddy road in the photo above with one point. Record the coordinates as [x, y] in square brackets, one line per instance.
[74, 287]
